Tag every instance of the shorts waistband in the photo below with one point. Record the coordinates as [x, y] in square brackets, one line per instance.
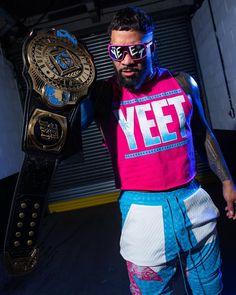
[142, 197]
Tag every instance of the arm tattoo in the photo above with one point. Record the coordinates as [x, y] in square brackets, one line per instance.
[215, 158]
[201, 131]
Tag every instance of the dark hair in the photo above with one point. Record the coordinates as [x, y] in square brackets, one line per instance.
[131, 18]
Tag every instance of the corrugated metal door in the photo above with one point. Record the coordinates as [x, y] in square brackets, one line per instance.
[92, 178]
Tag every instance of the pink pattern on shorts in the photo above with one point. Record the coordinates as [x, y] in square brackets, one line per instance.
[143, 273]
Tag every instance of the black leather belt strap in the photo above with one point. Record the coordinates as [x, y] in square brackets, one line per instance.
[27, 211]
[59, 72]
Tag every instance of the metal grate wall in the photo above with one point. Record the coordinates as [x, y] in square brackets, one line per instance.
[76, 178]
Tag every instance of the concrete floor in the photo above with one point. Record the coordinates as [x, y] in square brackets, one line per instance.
[80, 255]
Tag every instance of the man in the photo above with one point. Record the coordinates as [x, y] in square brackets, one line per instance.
[145, 119]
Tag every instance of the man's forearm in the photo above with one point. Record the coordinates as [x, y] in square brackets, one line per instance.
[215, 158]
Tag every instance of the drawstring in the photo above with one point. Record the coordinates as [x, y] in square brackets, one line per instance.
[178, 252]
[189, 239]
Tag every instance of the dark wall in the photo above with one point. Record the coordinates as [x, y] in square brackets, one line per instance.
[227, 141]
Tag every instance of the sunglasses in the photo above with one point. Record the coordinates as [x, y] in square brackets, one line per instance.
[136, 51]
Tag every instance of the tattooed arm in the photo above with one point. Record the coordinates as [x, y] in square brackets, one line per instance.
[205, 138]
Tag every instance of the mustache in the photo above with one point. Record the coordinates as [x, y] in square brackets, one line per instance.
[128, 68]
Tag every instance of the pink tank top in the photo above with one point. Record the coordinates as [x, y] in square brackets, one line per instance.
[149, 136]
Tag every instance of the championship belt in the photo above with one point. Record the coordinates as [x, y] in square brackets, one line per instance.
[59, 72]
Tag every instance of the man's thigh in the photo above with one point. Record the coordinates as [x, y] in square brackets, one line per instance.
[203, 269]
[151, 280]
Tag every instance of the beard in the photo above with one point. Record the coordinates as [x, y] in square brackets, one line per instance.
[134, 82]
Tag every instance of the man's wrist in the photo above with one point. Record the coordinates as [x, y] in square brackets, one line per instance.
[228, 182]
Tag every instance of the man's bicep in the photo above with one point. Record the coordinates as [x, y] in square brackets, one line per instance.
[199, 123]
[197, 104]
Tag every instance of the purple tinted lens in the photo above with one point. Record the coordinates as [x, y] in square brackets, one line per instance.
[117, 52]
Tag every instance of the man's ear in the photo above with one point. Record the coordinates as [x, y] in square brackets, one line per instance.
[153, 49]
[153, 45]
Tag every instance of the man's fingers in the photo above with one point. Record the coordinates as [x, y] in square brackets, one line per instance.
[230, 208]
